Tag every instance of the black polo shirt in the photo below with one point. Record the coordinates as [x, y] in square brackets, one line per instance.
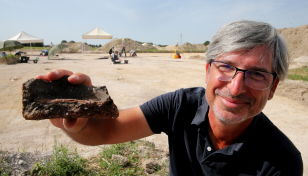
[262, 150]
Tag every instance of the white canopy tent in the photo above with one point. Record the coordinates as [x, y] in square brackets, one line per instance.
[24, 37]
[96, 33]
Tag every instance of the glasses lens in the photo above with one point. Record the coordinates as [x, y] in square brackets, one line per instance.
[254, 79]
[258, 80]
[224, 71]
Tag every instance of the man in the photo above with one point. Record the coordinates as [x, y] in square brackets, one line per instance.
[220, 131]
[123, 47]
[132, 53]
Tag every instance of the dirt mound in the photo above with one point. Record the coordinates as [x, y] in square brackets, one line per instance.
[77, 46]
[187, 47]
[302, 59]
[198, 57]
[149, 46]
[200, 46]
[117, 44]
[297, 39]
[69, 50]
[169, 48]
[160, 48]
[9, 61]
[296, 90]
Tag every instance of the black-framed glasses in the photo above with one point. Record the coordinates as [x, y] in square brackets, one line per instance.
[259, 80]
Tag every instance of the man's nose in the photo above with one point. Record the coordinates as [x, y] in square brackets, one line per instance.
[237, 85]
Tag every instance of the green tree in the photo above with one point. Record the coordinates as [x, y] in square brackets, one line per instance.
[206, 43]
[72, 41]
[63, 41]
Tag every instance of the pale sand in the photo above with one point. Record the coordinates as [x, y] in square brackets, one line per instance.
[129, 85]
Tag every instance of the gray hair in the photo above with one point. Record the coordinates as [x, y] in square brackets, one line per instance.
[246, 35]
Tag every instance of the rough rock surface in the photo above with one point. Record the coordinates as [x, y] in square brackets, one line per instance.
[21, 163]
[121, 160]
[60, 99]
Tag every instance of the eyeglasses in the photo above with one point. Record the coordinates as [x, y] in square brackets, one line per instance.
[259, 80]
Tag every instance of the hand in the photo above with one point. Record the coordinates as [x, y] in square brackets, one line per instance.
[70, 125]
[75, 78]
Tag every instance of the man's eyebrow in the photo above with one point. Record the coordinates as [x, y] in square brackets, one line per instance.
[255, 68]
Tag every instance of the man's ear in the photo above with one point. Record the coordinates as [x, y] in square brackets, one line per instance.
[207, 68]
[273, 88]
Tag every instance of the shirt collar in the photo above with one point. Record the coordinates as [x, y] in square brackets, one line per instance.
[201, 114]
[201, 119]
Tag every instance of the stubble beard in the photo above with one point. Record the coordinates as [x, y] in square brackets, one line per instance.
[230, 116]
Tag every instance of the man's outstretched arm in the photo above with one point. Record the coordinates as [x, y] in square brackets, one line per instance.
[130, 125]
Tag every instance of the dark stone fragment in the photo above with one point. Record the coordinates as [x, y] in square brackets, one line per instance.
[61, 99]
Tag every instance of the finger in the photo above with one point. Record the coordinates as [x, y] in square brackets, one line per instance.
[57, 122]
[80, 78]
[74, 125]
[57, 74]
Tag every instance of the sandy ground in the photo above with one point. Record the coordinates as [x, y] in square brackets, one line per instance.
[129, 85]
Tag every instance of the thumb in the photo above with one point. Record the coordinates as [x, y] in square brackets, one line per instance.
[74, 125]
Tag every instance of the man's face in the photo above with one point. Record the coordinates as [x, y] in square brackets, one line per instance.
[233, 101]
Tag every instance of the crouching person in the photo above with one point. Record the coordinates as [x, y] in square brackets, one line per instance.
[132, 53]
[115, 58]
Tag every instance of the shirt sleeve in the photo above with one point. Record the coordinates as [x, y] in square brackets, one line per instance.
[294, 166]
[160, 111]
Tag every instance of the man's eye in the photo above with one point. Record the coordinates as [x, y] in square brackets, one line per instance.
[258, 76]
[225, 68]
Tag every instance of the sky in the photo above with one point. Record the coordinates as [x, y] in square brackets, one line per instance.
[158, 21]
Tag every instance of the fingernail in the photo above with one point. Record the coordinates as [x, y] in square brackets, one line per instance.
[74, 77]
[55, 71]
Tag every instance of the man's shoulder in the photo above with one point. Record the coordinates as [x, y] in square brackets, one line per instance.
[266, 147]
[272, 134]
[270, 144]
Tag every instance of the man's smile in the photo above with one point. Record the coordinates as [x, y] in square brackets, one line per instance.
[232, 101]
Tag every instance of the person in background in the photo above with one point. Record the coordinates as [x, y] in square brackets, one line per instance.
[3, 54]
[18, 53]
[132, 53]
[115, 57]
[51, 45]
[44, 53]
[123, 47]
[220, 130]
[111, 51]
